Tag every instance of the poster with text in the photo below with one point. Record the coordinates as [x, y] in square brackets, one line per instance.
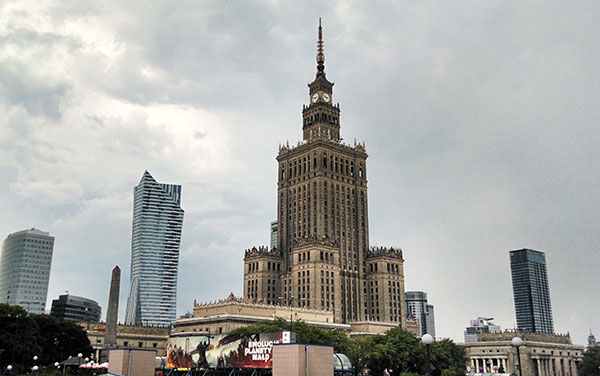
[223, 351]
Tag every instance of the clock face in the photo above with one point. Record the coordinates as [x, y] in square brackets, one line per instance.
[315, 97]
[326, 97]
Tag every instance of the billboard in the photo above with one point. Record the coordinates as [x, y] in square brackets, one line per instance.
[223, 351]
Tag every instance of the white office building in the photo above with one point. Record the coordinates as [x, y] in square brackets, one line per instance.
[25, 269]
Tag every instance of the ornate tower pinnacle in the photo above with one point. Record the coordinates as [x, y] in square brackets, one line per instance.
[320, 55]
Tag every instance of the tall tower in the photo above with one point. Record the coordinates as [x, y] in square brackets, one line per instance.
[156, 234]
[112, 313]
[531, 292]
[25, 269]
[323, 228]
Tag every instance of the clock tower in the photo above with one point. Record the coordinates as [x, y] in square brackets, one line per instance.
[322, 259]
[321, 119]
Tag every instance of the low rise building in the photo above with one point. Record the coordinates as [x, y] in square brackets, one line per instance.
[541, 354]
[479, 326]
[129, 336]
[225, 315]
[75, 308]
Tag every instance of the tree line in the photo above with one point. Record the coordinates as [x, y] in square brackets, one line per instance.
[397, 350]
[24, 335]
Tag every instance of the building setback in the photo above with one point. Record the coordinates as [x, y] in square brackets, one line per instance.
[75, 308]
[25, 269]
[531, 292]
[156, 236]
[322, 259]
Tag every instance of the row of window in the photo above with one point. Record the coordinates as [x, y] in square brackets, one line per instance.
[337, 164]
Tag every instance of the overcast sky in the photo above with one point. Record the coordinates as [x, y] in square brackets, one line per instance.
[481, 120]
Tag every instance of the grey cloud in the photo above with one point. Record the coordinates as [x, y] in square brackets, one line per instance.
[20, 85]
[480, 120]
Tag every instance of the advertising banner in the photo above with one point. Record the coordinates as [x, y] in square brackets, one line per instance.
[224, 351]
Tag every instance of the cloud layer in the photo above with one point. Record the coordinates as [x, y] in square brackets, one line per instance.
[480, 119]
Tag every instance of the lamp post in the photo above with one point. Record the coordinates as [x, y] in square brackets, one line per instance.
[35, 367]
[79, 361]
[517, 342]
[428, 340]
[9, 368]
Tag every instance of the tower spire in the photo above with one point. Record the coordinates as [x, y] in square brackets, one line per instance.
[320, 55]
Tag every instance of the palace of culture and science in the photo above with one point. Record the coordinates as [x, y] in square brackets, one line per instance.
[322, 260]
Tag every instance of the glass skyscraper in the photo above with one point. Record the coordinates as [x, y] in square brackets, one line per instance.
[416, 306]
[156, 235]
[530, 291]
[25, 269]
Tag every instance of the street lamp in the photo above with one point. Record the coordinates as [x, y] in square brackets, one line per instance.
[79, 361]
[428, 340]
[35, 367]
[9, 368]
[517, 342]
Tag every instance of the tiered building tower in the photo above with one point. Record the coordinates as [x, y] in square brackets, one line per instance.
[322, 259]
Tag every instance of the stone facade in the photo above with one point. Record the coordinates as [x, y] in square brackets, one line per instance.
[541, 354]
[228, 314]
[322, 259]
[129, 336]
[112, 312]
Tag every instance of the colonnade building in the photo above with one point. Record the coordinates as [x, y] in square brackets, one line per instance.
[540, 354]
[322, 259]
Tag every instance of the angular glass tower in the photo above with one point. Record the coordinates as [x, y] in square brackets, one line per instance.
[156, 234]
[531, 291]
[25, 269]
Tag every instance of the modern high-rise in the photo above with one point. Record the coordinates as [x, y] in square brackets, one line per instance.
[25, 269]
[75, 308]
[323, 260]
[156, 236]
[531, 292]
[417, 307]
[273, 237]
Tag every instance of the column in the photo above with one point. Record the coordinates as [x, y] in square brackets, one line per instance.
[557, 367]
[574, 368]
[473, 365]
[539, 367]
[504, 361]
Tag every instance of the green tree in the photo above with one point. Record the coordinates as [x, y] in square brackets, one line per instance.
[59, 339]
[19, 335]
[403, 352]
[590, 365]
[23, 335]
[449, 357]
[397, 349]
